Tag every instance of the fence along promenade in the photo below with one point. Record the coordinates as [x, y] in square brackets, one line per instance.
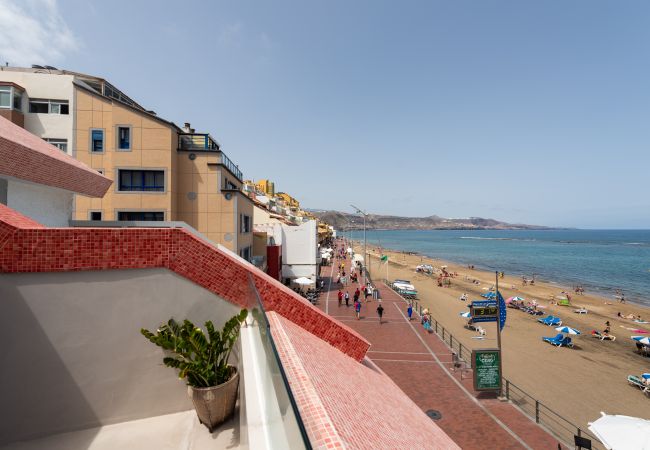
[560, 427]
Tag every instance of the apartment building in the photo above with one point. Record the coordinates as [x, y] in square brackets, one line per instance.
[160, 172]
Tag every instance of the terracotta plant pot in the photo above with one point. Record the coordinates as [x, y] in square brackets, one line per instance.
[215, 404]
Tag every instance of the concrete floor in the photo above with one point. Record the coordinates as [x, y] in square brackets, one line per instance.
[172, 431]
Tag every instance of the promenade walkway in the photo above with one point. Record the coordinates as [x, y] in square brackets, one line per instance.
[420, 364]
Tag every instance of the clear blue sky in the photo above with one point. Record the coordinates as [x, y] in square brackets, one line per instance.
[524, 111]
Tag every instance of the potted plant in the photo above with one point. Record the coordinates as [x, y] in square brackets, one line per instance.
[202, 360]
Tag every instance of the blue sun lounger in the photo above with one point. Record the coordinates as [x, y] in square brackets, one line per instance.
[560, 340]
[551, 321]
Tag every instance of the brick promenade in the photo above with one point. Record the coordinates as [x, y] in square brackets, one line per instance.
[420, 364]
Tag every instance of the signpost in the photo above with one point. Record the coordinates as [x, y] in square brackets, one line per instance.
[487, 369]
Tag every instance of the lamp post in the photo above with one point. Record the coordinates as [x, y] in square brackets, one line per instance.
[365, 253]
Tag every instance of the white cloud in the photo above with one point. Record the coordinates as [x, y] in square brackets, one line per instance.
[33, 32]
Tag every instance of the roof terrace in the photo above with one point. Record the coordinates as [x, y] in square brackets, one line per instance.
[203, 142]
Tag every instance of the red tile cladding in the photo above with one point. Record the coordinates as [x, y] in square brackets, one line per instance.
[347, 404]
[28, 157]
[29, 247]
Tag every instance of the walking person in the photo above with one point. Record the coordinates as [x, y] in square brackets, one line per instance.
[340, 296]
[409, 311]
[357, 293]
[357, 308]
[347, 298]
[380, 312]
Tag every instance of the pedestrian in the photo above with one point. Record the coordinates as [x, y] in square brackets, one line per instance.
[347, 298]
[340, 296]
[357, 293]
[380, 312]
[365, 292]
[357, 308]
[409, 311]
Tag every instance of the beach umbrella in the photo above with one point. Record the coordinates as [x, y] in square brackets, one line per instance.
[567, 330]
[618, 432]
[645, 340]
[303, 281]
[466, 315]
[645, 376]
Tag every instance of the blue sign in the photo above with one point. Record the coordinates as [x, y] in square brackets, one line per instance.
[476, 319]
[483, 303]
[502, 310]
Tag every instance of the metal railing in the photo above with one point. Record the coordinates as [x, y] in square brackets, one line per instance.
[205, 143]
[560, 427]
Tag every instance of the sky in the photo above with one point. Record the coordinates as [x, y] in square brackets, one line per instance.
[521, 111]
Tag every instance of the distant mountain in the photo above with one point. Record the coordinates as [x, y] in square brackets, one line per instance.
[346, 221]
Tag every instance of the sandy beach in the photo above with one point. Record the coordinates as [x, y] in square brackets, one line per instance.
[576, 383]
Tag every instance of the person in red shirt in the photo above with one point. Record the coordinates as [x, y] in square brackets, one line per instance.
[340, 295]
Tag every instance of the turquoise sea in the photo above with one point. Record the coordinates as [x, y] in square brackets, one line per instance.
[600, 260]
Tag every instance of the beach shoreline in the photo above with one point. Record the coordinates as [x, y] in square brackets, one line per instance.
[590, 290]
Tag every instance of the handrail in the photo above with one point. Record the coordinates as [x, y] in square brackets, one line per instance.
[560, 427]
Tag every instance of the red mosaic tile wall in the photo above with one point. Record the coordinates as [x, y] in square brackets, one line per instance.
[28, 157]
[29, 247]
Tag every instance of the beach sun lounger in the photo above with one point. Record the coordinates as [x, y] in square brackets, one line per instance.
[580, 311]
[551, 321]
[563, 302]
[637, 382]
[603, 337]
[559, 341]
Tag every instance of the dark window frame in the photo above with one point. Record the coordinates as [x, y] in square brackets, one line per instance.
[141, 216]
[139, 180]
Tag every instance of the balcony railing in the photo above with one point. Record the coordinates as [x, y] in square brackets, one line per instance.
[205, 143]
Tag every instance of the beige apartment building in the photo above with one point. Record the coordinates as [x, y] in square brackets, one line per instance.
[160, 172]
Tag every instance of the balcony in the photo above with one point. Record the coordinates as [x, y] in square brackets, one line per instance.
[203, 142]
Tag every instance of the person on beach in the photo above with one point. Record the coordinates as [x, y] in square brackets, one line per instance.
[347, 298]
[357, 309]
[340, 296]
[380, 312]
[622, 300]
[409, 311]
[463, 297]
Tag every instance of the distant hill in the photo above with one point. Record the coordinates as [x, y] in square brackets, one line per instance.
[342, 221]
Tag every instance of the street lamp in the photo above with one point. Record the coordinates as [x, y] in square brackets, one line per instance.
[365, 253]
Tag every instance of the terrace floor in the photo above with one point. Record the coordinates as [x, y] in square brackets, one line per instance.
[420, 364]
[169, 432]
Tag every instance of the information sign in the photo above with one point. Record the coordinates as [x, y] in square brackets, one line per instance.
[483, 311]
[487, 373]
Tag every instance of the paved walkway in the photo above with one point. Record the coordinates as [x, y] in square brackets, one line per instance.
[420, 364]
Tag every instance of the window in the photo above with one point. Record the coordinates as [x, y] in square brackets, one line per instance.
[96, 140]
[124, 138]
[61, 144]
[95, 215]
[18, 100]
[5, 96]
[245, 253]
[49, 106]
[142, 180]
[244, 223]
[147, 216]
[229, 184]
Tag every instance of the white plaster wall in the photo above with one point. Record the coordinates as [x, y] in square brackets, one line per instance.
[47, 205]
[73, 357]
[46, 86]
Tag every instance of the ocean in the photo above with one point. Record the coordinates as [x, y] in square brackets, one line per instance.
[599, 260]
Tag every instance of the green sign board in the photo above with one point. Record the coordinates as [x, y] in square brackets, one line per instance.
[487, 373]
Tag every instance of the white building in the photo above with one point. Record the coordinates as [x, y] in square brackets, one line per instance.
[47, 103]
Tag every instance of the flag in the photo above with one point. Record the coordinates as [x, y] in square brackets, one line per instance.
[502, 310]
[384, 258]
